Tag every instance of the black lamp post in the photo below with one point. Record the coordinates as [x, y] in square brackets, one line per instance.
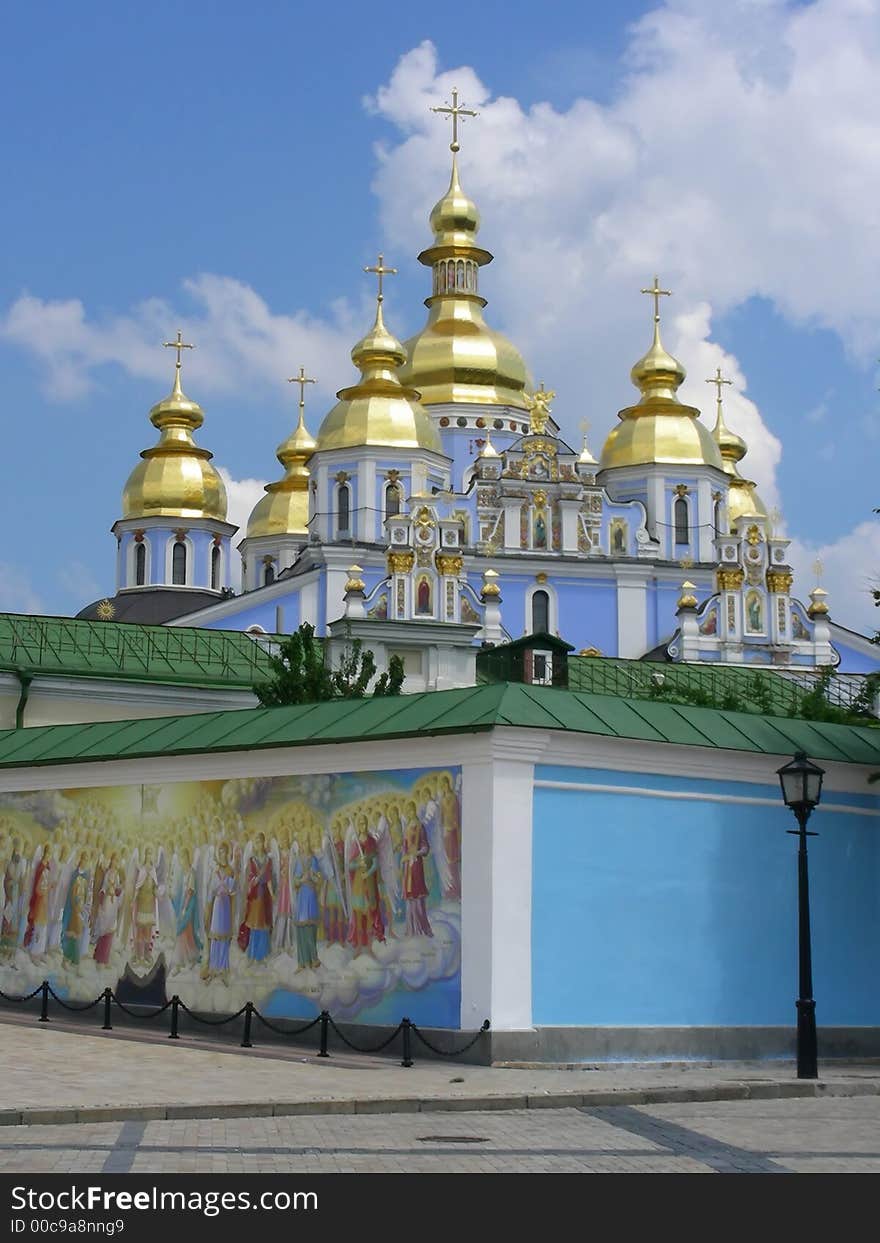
[801, 782]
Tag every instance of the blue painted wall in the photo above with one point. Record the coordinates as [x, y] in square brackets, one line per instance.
[670, 912]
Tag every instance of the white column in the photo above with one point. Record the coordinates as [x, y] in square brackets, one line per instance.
[368, 519]
[569, 512]
[632, 611]
[496, 901]
[511, 520]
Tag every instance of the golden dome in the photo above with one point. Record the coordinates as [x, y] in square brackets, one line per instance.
[742, 498]
[378, 410]
[659, 428]
[457, 357]
[284, 510]
[176, 478]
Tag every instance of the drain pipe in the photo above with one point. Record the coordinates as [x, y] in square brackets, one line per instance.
[24, 681]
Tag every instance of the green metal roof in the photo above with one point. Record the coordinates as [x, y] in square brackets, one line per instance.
[469, 710]
[71, 647]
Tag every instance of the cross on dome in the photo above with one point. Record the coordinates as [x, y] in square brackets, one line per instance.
[379, 270]
[718, 380]
[178, 345]
[656, 293]
[302, 380]
[455, 110]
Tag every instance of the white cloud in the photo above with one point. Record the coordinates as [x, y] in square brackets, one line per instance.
[850, 570]
[17, 594]
[239, 340]
[242, 495]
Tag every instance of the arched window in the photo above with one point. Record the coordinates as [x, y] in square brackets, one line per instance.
[215, 568]
[459, 274]
[718, 515]
[392, 500]
[178, 564]
[140, 564]
[680, 515]
[343, 509]
[540, 612]
[268, 574]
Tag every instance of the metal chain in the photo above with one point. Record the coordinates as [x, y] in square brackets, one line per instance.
[125, 1010]
[212, 1022]
[87, 1006]
[6, 996]
[280, 1031]
[450, 1052]
[359, 1049]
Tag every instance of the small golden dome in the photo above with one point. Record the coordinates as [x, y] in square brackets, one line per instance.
[378, 410]
[457, 357]
[176, 478]
[284, 510]
[659, 428]
[742, 498]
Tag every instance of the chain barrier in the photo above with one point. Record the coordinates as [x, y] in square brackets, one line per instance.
[405, 1027]
[88, 1005]
[358, 1048]
[132, 1014]
[450, 1052]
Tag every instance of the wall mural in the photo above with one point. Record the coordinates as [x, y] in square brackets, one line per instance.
[338, 892]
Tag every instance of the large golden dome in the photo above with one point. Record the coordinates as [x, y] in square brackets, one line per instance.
[284, 510]
[457, 357]
[659, 429]
[379, 410]
[175, 478]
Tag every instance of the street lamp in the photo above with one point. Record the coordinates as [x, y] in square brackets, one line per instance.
[801, 782]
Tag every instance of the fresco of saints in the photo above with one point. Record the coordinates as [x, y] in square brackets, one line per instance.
[259, 895]
[75, 917]
[106, 916]
[362, 870]
[145, 908]
[450, 822]
[333, 902]
[187, 946]
[13, 881]
[218, 915]
[39, 902]
[306, 874]
[281, 933]
[415, 891]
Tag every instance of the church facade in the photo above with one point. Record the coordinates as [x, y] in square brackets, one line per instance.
[441, 483]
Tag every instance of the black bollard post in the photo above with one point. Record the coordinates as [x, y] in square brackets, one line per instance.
[108, 997]
[407, 1043]
[246, 1037]
[44, 1003]
[175, 1003]
[325, 1023]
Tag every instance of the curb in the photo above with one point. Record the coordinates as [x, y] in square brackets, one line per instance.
[786, 1090]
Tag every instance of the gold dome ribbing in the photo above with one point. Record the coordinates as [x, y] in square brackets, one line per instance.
[742, 498]
[378, 410]
[457, 357]
[175, 479]
[659, 429]
[284, 510]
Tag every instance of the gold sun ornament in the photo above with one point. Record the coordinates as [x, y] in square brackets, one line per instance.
[105, 611]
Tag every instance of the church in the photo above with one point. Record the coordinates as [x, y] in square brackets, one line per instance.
[439, 497]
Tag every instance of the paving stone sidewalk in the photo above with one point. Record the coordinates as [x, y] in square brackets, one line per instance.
[61, 1074]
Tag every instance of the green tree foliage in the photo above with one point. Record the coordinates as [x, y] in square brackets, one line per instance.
[300, 674]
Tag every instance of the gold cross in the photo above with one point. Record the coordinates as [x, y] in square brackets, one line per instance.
[379, 270]
[178, 345]
[818, 569]
[302, 380]
[718, 379]
[656, 292]
[455, 112]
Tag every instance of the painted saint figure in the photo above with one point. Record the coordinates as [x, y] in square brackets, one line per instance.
[42, 891]
[218, 915]
[74, 920]
[362, 864]
[450, 822]
[306, 873]
[256, 927]
[188, 946]
[333, 900]
[13, 876]
[107, 914]
[415, 890]
[145, 908]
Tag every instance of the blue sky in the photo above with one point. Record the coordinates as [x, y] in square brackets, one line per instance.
[153, 146]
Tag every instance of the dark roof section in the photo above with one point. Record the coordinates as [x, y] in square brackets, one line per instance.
[74, 648]
[151, 608]
[430, 713]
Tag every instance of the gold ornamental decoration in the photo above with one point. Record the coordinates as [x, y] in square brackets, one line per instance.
[539, 409]
[753, 535]
[401, 562]
[450, 563]
[730, 580]
[779, 580]
[105, 611]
